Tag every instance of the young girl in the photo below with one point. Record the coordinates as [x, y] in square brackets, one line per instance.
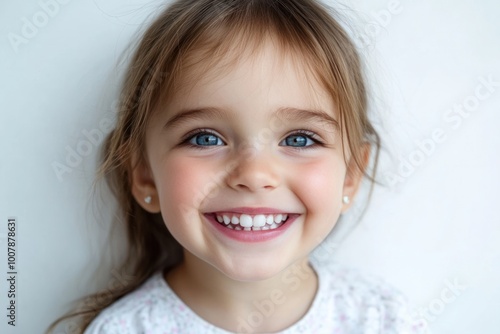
[242, 137]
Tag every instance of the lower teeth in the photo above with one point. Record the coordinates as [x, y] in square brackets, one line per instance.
[264, 228]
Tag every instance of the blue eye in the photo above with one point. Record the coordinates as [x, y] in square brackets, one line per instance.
[299, 140]
[205, 139]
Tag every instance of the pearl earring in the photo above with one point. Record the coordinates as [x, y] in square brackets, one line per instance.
[346, 200]
[148, 199]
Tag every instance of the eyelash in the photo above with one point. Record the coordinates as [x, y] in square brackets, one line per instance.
[197, 132]
[308, 134]
[303, 132]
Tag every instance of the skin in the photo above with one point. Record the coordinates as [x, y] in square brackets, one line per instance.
[222, 279]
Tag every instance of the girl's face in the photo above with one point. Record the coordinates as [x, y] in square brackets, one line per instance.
[247, 143]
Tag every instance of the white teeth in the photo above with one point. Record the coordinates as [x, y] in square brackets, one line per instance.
[248, 223]
[235, 220]
[259, 221]
[269, 220]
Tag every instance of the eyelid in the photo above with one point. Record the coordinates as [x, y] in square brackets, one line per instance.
[305, 132]
[187, 137]
[192, 133]
[313, 135]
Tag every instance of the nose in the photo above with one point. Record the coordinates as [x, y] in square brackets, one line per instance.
[254, 172]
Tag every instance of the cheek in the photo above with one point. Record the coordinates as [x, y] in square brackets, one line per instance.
[320, 185]
[182, 185]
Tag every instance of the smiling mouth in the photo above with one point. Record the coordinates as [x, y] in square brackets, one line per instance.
[245, 222]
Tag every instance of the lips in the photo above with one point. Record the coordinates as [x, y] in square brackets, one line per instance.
[251, 227]
[248, 222]
[251, 219]
[252, 211]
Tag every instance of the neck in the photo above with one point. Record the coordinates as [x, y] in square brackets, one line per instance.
[268, 305]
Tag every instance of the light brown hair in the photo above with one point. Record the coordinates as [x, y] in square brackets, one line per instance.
[194, 32]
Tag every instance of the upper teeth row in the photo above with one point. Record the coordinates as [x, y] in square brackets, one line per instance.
[248, 221]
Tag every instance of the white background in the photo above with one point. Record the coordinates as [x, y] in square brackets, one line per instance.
[436, 222]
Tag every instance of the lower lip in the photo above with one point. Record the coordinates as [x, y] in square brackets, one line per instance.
[251, 236]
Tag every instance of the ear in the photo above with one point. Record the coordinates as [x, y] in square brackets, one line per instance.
[143, 186]
[354, 176]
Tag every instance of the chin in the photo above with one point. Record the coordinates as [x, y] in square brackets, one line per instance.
[253, 270]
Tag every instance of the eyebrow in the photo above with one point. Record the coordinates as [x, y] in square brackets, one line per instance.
[286, 113]
[303, 115]
[187, 115]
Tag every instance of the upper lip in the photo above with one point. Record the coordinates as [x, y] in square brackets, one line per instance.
[252, 211]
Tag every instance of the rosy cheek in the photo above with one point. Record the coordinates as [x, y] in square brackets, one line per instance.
[321, 184]
[179, 182]
[185, 184]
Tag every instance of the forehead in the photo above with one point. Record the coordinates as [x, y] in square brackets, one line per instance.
[268, 74]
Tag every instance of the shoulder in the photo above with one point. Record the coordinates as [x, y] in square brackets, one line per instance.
[366, 302]
[147, 307]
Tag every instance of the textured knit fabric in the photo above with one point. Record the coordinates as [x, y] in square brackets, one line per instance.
[346, 302]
